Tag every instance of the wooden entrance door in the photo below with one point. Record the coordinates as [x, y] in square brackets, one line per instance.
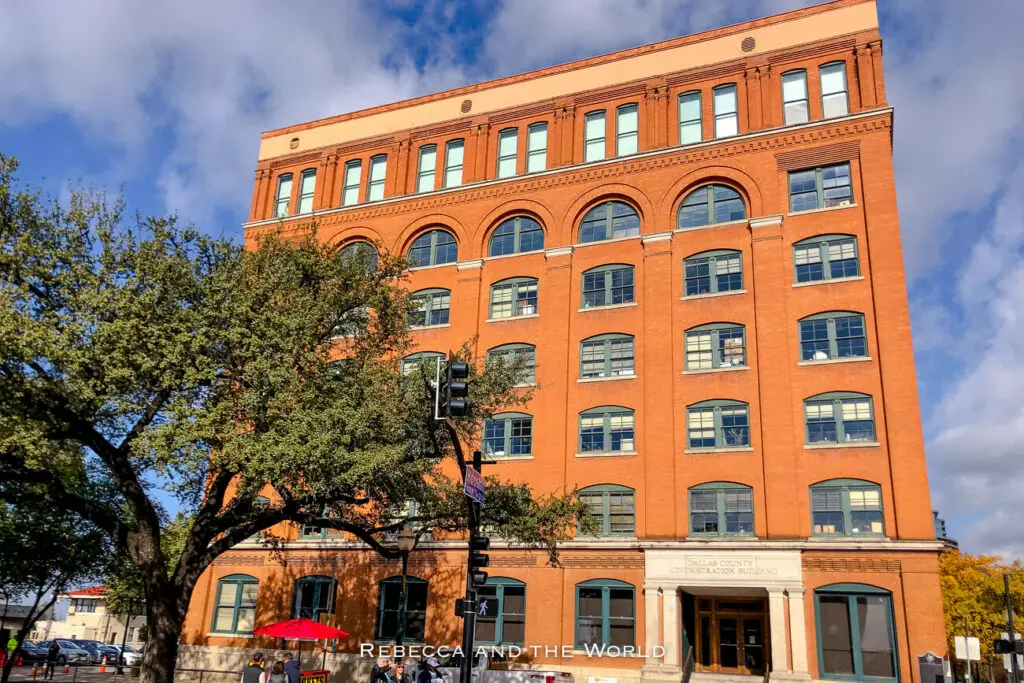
[731, 635]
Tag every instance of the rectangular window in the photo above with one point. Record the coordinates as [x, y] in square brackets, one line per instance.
[429, 309]
[502, 616]
[820, 188]
[350, 183]
[846, 420]
[508, 141]
[627, 130]
[307, 190]
[835, 101]
[855, 636]
[720, 511]
[612, 357]
[726, 116]
[713, 274]
[833, 337]
[690, 118]
[375, 183]
[236, 606]
[509, 356]
[282, 201]
[508, 436]
[514, 299]
[708, 349]
[593, 136]
[425, 173]
[614, 509]
[537, 147]
[794, 97]
[720, 426]
[389, 606]
[828, 259]
[608, 287]
[609, 432]
[453, 159]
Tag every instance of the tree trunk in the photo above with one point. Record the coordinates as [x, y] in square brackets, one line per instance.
[165, 623]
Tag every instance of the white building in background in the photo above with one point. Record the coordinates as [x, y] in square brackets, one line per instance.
[87, 619]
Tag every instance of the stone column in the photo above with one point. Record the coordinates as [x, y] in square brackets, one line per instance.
[565, 121]
[769, 119]
[259, 194]
[876, 65]
[654, 135]
[673, 625]
[652, 624]
[754, 105]
[481, 133]
[395, 180]
[865, 76]
[325, 182]
[777, 627]
[798, 632]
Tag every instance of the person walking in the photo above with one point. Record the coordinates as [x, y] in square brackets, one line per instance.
[400, 675]
[253, 672]
[277, 674]
[51, 658]
[429, 674]
[381, 671]
[291, 668]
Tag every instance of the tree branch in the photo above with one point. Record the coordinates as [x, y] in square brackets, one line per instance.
[152, 409]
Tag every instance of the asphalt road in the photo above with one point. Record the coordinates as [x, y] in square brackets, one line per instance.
[85, 674]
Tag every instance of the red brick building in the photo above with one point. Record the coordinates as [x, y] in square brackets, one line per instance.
[697, 244]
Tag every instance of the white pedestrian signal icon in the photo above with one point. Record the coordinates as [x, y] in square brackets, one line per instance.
[483, 608]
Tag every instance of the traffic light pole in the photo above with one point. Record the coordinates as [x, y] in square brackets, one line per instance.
[469, 604]
[1014, 669]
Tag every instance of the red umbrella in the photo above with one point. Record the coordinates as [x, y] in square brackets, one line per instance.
[301, 629]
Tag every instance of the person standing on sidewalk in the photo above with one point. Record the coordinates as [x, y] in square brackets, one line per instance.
[51, 658]
[291, 668]
[254, 673]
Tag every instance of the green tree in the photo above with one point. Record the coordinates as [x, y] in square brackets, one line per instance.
[147, 355]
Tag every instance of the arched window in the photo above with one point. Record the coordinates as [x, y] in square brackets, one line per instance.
[607, 355]
[826, 257]
[514, 298]
[711, 204]
[516, 236]
[607, 429]
[716, 346]
[605, 613]
[429, 308]
[609, 220]
[434, 248]
[508, 434]
[389, 595]
[510, 355]
[360, 252]
[314, 595]
[713, 272]
[411, 362]
[846, 507]
[283, 198]
[613, 507]
[502, 616]
[610, 285]
[714, 425]
[836, 334]
[839, 417]
[721, 508]
[235, 607]
[856, 638]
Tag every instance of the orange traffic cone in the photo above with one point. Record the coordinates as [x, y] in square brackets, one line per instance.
[19, 662]
[67, 668]
[103, 665]
[34, 671]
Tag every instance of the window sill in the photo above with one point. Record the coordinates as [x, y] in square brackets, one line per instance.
[603, 454]
[512, 318]
[436, 265]
[846, 444]
[712, 295]
[713, 370]
[822, 210]
[841, 538]
[720, 537]
[726, 224]
[429, 327]
[613, 239]
[524, 386]
[228, 635]
[588, 380]
[506, 458]
[713, 451]
[829, 282]
[518, 253]
[831, 361]
[605, 307]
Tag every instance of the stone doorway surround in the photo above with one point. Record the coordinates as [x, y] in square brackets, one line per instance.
[729, 570]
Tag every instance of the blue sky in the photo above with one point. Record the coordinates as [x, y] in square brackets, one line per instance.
[167, 101]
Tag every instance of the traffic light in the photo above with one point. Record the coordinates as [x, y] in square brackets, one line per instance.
[455, 390]
[477, 560]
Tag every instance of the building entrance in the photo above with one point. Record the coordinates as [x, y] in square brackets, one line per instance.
[731, 636]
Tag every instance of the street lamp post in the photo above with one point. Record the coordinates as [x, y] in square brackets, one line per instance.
[406, 541]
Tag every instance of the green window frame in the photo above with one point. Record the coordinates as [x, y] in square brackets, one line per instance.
[234, 610]
[308, 531]
[721, 509]
[537, 147]
[607, 429]
[856, 635]
[609, 220]
[509, 353]
[514, 297]
[847, 507]
[710, 205]
[389, 593]
[718, 424]
[835, 98]
[508, 435]
[825, 257]
[454, 159]
[314, 595]
[822, 187]
[690, 118]
[594, 136]
[516, 235]
[613, 506]
[727, 121]
[608, 355]
[433, 248]
[502, 620]
[283, 196]
[605, 613]
[608, 285]
[716, 346]
[259, 503]
[839, 417]
[627, 129]
[713, 272]
[831, 335]
[360, 250]
[375, 181]
[508, 149]
[307, 190]
[426, 168]
[351, 181]
[794, 97]
[429, 308]
[413, 361]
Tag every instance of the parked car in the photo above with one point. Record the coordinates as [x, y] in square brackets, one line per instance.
[93, 648]
[129, 655]
[486, 671]
[69, 652]
[30, 652]
[112, 654]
